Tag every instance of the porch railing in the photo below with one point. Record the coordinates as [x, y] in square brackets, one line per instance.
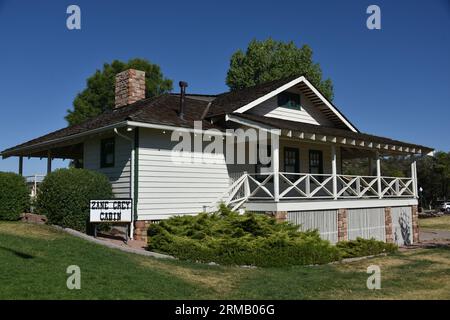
[33, 182]
[301, 186]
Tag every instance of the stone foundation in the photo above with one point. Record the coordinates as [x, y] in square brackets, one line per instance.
[388, 225]
[342, 225]
[140, 230]
[280, 216]
[141, 227]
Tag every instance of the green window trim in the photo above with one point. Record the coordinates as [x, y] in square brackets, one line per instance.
[289, 100]
[107, 153]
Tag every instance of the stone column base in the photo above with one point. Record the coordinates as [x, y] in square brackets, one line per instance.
[280, 216]
[140, 230]
[388, 225]
[342, 225]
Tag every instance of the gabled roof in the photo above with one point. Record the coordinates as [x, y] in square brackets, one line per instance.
[240, 101]
[162, 110]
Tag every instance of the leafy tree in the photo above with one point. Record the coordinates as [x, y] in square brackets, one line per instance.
[433, 173]
[270, 60]
[98, 96]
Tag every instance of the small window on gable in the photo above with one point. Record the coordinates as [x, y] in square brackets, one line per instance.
[289, 100]
[107, 153]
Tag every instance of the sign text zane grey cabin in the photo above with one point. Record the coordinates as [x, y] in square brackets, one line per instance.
[116, 210]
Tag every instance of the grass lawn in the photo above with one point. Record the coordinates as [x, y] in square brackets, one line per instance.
[34, 258]
[437, 223]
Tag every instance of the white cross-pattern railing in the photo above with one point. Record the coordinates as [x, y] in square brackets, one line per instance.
[396, 187]
[300, 186]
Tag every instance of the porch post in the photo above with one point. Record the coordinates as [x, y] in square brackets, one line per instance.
[21, 165]
[49, 161]
[379, 176]
[334, 170]
[414, 178]
[276, 166]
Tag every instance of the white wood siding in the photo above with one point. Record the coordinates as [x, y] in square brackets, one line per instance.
[173, 185]
[307, 114]
[325, 221]
[366, 223]
[119, 175]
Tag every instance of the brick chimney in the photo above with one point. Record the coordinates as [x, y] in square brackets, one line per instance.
[130, 87]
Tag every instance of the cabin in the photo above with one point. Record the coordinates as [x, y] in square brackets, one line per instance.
[183, 153]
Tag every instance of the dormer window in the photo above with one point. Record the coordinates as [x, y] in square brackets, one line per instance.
[289, 100]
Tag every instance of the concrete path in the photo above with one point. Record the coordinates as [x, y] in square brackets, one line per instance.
[430, 234]
[130, 248]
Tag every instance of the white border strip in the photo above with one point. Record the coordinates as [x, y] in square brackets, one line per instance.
[327, 205]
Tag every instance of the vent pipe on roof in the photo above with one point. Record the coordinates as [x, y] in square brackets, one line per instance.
[183, 86]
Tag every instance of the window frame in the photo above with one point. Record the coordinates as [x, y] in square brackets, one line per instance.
[297, 158]
[320, 153]
[103, 152]
[289, 98]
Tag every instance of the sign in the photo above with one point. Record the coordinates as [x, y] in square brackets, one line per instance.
[115, 210]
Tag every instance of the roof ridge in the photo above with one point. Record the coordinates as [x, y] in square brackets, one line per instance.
[282, 79]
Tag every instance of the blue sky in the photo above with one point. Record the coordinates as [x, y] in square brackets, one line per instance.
[392, 82]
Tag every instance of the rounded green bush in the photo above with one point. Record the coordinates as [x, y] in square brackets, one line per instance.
[229, 238]
[14, 196]
[64, 196]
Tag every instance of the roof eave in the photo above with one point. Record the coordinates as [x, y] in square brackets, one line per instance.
[390, 147]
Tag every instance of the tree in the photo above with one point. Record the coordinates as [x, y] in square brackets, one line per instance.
[433, 173]
[270, 60]
[98, 96]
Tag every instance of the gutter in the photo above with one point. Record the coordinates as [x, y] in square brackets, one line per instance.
[5, 153]
[74, 136]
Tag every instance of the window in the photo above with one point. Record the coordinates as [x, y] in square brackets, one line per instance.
[315, 162]
[289, 100]
[263, 168]
[291, 160]
[107, 153]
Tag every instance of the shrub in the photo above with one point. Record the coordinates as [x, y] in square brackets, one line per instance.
[228, 238]
[64, 196]
[364, 247]
[14, 196]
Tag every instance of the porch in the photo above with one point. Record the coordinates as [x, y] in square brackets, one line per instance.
[306, 191]
[306, 170]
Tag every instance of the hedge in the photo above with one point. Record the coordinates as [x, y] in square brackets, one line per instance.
[228, 238]
[365, 247]
[14, 196]
[64, 196]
